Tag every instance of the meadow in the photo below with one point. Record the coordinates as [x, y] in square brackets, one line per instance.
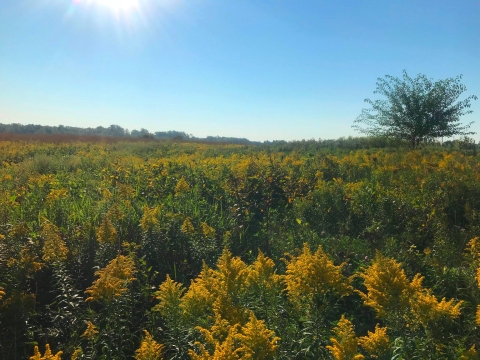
[188, 250]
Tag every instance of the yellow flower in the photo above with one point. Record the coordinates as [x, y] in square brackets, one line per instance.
[106, 233]
[112, 280]
[125, 191]
[48, 354]
[310, 274]
[470, 354]
[477, 320]
[115, 213]
[232, 342]
[2, 293]
[388, 287]
[390, 292]
[54, 248]
[182, 186]
[169, 294]
[218, 290]
[426, 308]
[90, 332]
[76, 354]
[228, 286]
[376, 343]
[344, 342]
[149, 221]
[262, 274]
[187, 227]
[198, 301]
[55, 195]
[149, 349]
[207, 231]
[257, 341]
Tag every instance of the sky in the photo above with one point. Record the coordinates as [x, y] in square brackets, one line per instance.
[257, 69]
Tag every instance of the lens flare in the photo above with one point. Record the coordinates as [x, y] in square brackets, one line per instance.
[119, 5]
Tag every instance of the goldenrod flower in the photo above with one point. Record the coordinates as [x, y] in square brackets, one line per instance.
[375, 343]
[55, 195]
[314, 274]
[257, 341]
[344, 342]
[182, 186]
[198, 300]
[169, 294]
[207, 231]
[54, 248]
[470, 354]
[76, 354]
[261, 274]
[477, 320]
[388, 287]
[252, 341]
[125, 191]
[106, 233]
[228, 286]
[48, 354]
[426, 308]
[390, 292]
[218, 290]
[115, 213]
[112, 280]
[187, 227]
[90, 332]
[150, 219]
[149, 349]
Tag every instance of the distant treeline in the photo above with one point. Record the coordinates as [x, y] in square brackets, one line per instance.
[112, 130]
[116, 131]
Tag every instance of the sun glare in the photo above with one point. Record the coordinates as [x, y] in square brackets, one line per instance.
[119, 5]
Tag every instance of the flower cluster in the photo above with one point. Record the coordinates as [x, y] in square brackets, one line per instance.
[112, 280]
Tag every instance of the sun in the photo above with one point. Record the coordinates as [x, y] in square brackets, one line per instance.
[119, 5]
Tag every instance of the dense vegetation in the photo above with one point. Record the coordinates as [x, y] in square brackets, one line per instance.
[302, 250]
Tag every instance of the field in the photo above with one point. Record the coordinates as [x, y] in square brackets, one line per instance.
[180, 250]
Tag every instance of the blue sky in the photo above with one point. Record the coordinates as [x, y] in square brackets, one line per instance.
[264, 70]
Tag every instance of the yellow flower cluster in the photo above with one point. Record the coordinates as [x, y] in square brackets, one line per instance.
[76, 354]
[470, 354]
[55, 195]
[106, 233]
[112, 280]
[150, 219]
[251, 341]
[262, 275]
[376, 343]
[90, 332]
[187, 227]
[48, 354]
[310, 274]
[208, 231]
[345, 343]
[169, 295]
[182, 186]
[198, 300]
[149, 349]
[54, 248]
[390, 293]
[115, 213]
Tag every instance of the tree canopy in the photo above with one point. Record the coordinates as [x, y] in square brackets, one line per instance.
[416, 109]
